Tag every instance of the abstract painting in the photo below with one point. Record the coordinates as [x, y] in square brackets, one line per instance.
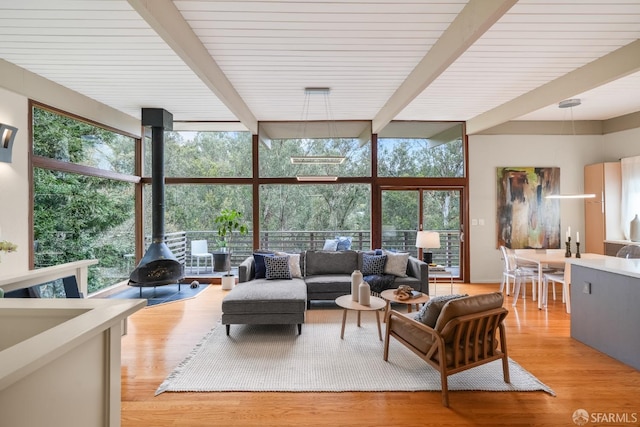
[525, 217]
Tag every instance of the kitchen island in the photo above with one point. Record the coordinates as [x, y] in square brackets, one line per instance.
[605, 306]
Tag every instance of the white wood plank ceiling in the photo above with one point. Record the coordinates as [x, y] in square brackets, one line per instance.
[483, 61]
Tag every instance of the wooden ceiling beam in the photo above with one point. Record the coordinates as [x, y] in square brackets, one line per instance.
[472, 22]
[167, 21]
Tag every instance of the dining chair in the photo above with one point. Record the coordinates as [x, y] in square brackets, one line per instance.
[629, 251]
[519, 274]
[200, 249]
[509, 270]
[555, 277]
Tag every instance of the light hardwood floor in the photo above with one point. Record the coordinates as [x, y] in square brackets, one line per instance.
[160, 337]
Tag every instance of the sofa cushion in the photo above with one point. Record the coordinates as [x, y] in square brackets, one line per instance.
[373, 264]
[263, 296]
[330, 262]
[430, 311]
[396, 263]
[277, 267]
[260, 267]
[331, 283]
[468, 305]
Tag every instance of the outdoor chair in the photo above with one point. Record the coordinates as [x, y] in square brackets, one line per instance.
[469, 332]
[200, 249]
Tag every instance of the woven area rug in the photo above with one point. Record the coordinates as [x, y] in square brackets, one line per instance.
[276, 358]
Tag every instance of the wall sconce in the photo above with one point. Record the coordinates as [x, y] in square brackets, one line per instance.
[7, 135]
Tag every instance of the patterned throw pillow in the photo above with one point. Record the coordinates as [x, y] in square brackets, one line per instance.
[277, 267]
[294, 264]
[373, 264]
[344, 243]
[330, 245]
[260, 267]
[396, 263]
[429, 312]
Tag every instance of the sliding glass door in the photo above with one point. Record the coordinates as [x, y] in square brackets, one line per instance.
[406, 211]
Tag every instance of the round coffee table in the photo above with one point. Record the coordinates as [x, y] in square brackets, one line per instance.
[347, 304]
[390, 297]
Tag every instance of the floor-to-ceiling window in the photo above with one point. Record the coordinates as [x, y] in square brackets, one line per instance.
[206, 171]
[83, 195]
[421, 171]
[296, 185]
[314, 184]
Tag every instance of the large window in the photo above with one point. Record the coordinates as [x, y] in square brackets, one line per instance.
[64, 138]
[84, 188]
[298, 217]
[421, 150]
[79, 210]
[317, 149]
[191, 208]
[204, 154]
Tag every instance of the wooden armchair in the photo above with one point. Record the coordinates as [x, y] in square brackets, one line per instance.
[465, 336]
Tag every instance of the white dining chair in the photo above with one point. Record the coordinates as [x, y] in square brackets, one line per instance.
[555, 277]
[509, 270]
[200, 249]
[519, 274]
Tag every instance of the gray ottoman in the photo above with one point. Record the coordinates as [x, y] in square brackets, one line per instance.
[264, 301]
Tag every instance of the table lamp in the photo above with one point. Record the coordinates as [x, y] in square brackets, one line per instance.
[428, 240]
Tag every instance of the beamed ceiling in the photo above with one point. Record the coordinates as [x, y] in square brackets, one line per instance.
[481, 61]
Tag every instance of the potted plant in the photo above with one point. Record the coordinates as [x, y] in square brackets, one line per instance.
[228, 222]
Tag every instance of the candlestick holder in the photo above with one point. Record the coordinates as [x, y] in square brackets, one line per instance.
[567, 253]
[577, 249]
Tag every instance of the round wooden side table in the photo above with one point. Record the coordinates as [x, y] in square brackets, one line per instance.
[347, 304]
[390, 297]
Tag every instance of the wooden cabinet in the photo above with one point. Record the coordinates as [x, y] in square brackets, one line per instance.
[602, 213]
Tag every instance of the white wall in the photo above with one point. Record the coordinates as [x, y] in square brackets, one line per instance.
[14, 186]
[621, 144]
[487, 152]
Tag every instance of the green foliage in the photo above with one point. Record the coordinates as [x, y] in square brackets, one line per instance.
[78, 217]
[228, 221]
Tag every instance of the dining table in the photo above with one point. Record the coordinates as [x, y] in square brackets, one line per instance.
[545, 258]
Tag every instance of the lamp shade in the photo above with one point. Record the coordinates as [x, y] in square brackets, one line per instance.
[428, 239]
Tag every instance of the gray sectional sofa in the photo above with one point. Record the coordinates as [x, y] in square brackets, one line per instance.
[323, 275]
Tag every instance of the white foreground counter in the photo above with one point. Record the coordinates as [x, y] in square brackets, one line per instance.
[60, 361]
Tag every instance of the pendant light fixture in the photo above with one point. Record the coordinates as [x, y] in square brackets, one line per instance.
[570, 103]
[317, 159]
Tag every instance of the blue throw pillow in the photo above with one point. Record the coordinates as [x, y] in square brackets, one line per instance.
[344, 243]
[277, 267]
[261, 268]
[373, 264]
